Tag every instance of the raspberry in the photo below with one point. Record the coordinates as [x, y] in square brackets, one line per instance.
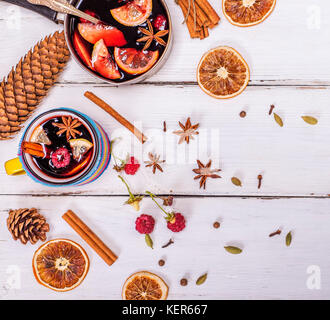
[177, 222]
[132, 166]
[91, 13]
[61, 158]
[145, 224]
[160, 22]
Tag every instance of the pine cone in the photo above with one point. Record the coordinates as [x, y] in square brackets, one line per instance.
[30, 81]
[27, 225]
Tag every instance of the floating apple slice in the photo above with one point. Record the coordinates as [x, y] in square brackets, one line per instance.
[94, 32]
[103, 63]
[80, 46]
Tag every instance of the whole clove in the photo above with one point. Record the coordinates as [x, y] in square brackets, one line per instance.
[168, 244]
[277, 232]
[259, 181]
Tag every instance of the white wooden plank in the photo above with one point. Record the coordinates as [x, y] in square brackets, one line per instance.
[291, 45]
[266, 269]
[294, 160]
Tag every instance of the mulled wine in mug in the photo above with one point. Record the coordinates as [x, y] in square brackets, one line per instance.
[62, 147]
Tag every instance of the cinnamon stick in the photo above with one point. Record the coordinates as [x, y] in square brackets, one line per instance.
[208, 10]
[90, 237]
[102, 104]
[193, 13]
[34, 149]
[194, 32]
[206, 32]
[32, 145]
[202, 16]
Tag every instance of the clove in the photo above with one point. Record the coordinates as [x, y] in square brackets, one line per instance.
[259, 181]
[277, 232]
[168, 244]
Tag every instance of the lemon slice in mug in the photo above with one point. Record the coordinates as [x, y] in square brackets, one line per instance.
[39, 136]
[80, 147]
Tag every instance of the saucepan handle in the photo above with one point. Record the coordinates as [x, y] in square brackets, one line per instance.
[44, 11]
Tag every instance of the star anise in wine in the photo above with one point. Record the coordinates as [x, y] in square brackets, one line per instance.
[188, 131]
[204, 171]
[68, 127]
[154, 162]
[149, 36]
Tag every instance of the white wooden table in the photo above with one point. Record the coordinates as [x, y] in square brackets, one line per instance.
[289, 59]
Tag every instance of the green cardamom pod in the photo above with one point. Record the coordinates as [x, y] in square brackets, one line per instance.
[237, 182]
[278, 119]
[288, 239]
[233, 250]
[201, 279]
[149, 241]
[310, 120]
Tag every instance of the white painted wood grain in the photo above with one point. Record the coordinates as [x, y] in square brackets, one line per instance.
[294, 160]
[266, 269]
[292, 44]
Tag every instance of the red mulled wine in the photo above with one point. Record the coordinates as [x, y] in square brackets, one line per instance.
[129, 43]
[67, 147]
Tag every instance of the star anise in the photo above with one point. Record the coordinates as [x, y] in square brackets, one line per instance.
[149, 36]
[204, 172]
[68, 127]
[154, 162]
[188, 131]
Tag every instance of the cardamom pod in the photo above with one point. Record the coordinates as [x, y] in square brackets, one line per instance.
[201, 279]
[278, 119]
[310, 120]
[233, 250]
[288, 239]
[237, 182]
[149, 241]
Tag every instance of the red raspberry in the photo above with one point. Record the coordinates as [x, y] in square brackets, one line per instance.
[177, 222]
[91, 13]
[132, 166]
[61, 158]
[145, 224]
[160, 23]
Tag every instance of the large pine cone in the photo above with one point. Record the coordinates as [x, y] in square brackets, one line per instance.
[27, 225]
[30, 81]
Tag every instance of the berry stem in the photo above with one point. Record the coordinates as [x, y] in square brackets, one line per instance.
[115, 157]
[131, 195]
[153, 199]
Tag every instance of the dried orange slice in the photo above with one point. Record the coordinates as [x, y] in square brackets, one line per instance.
[133, 13]
[223, 73]
[246, 13]
[145, 285]
[134, 61]
[60, 264]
